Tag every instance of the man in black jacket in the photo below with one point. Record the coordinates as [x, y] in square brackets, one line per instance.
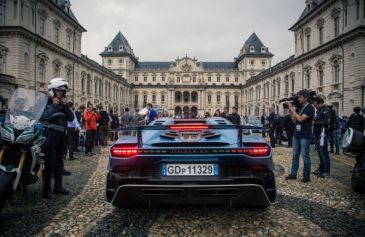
[289, 129]
[55, 145]
[272, 126]
[356, 120]
[235, 117]
[103, 126]
[321, 124]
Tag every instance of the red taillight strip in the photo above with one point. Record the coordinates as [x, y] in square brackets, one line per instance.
[189, 127]
[123, 151]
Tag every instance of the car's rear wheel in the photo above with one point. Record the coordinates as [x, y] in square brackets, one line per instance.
[110, 187]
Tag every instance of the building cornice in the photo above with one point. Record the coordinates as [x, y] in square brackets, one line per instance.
[196, 87]
[90, 64]
[340, 40]
[309, 16]
[57, 9]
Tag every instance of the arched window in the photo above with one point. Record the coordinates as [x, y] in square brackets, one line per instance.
[178, 97]
[194, 97]
[186, 96]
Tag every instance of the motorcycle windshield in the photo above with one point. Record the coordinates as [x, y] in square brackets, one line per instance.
[25, 108]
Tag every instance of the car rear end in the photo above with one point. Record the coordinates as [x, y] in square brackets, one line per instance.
[191, 163]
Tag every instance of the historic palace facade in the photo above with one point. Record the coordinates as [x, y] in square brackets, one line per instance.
[41, 39]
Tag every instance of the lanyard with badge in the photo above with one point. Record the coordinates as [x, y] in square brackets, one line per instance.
[299, 126]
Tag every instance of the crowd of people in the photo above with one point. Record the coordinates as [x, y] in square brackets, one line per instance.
[309, 123]
[91, 126]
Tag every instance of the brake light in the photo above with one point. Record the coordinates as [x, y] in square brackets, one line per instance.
[253, 151]
[189, 127]
[124, 151]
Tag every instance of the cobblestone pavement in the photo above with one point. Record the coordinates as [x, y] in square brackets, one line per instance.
[324, 207]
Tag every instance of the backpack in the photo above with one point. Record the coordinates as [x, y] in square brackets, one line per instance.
[334, 119]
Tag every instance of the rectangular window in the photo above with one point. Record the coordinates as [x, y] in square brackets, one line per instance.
[56, 35]
[321, 77]
[337, 74]
[357, 10]
[321, 35]
[153, 98]
[109, 61]
[227, 101]
[145, 79]
[153, 78]
[209, 99]
[121, 61]
[218, 79]
[22, 10]
[337, 26]
[178, 79]
[236, 101]
[144, 100]
[1, 64]
[308, 42]
[68, 42]
[33, 14]
[227, 79]
[135, 101]
[218, 98]
[135, 78]
[194, 79]
[163, 78]
[345, 13]
[162, 98]
[209, 79]
[41, 72]
[308, 76]
[15, 9]
[41, 26]
[236, 79]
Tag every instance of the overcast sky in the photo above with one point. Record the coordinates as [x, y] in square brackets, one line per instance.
[210, 30]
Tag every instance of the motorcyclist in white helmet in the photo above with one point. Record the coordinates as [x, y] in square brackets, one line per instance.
[55, 145]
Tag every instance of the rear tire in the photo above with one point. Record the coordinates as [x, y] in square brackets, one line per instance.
[357, 184]
[5, 188]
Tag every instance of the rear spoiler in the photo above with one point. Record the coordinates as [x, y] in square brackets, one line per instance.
[240, 128]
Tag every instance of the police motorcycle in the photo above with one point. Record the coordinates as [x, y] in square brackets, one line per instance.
[354, 146]
[22, 138]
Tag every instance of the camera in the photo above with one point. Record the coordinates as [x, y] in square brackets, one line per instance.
[294, 100]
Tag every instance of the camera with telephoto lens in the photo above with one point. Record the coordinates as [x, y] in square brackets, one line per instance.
[294, 100]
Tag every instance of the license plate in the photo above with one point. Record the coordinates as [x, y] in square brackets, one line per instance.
[189, 169]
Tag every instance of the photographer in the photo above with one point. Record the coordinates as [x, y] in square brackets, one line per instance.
[55, 145]
[322, 132]
[302, 118]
